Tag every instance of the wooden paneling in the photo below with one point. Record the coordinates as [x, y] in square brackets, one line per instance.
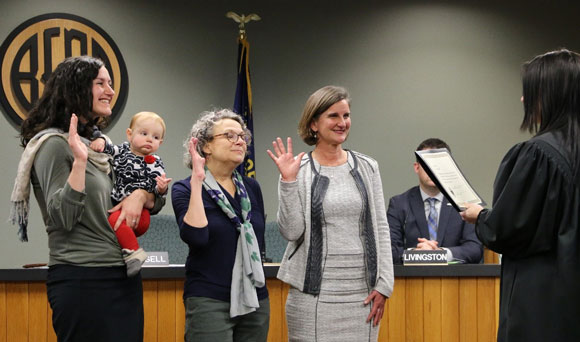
[490, 257]
[38, 312]
[179, 311]
[468, 309]
[432, 309]
[450, 309]
[277, 302]
[150, 307]
[414, 310]
[496, 302]
[17, 312]
[446, 309]
[3, 312]
[486, 329]
[285, 288]
[166, 327]
[396, 312]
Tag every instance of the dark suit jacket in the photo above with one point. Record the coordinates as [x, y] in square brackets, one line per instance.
[407, 223]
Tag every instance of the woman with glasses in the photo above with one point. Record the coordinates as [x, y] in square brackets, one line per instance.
[331, 210]
[220, 214]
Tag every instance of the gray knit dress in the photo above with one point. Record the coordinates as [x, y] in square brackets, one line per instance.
[338, 312]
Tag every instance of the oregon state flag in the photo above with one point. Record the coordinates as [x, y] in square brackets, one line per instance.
[243, 103]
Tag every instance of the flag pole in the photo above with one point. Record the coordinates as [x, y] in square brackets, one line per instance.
[243, 97]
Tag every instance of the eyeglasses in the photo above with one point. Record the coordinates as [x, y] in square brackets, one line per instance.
[233, 137]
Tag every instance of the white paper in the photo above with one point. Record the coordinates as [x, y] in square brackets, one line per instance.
[450, 177]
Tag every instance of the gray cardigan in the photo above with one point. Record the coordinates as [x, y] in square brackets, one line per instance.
[294, 221]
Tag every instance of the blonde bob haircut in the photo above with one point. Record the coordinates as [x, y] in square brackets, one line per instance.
[317, 104]
[147, 115]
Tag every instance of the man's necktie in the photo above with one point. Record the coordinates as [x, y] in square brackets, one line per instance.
[432, 218]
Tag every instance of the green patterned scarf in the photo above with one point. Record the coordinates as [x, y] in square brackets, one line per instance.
[247, 273]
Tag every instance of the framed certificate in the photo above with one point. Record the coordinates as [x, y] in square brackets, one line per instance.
[441, 167]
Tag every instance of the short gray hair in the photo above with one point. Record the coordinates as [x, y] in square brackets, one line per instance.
[202, 129]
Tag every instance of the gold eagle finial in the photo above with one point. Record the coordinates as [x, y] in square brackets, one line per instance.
[242, 20]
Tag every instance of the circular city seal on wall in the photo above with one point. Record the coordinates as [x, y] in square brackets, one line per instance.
[32, 51]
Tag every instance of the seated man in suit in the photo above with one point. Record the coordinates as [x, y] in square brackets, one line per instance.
[422, 218]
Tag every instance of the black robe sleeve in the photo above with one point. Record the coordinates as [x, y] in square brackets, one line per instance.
[530, 191]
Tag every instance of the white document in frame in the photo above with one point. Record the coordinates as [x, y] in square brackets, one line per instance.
[449, 177]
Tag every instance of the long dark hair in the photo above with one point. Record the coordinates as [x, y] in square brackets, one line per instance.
[67, 91]
[551, 90]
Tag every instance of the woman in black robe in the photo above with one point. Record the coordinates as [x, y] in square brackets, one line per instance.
[535, 219]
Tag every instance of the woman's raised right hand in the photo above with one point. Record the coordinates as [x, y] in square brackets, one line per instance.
[197, 161]
[284, 159]
[78, 148]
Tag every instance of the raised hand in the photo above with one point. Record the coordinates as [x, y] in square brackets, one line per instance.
[195, 214]
[197, 162]
[76, 178]
[284, 159]
[162, 183]
[78, 148]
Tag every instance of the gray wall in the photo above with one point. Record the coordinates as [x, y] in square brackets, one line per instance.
[415, 69]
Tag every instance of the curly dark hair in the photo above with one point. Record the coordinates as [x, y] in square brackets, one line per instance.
[67, 91]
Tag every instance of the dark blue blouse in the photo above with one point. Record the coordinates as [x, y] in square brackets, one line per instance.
[212, 249]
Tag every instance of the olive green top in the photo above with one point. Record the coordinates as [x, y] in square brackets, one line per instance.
[76, 222]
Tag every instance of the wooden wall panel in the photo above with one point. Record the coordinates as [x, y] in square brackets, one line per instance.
[414, 310]
[497, 283]
[467, 309]
[450, 309]
[384, 324]
[37, 313]
[275, 290]
[486, 330]
[490, 257]
[166, 325]
[17, 319]
[179, 311]
[3, 312]
[150, 307]
[421, 309]
[285, 290]
[396, 313]
[432, 310]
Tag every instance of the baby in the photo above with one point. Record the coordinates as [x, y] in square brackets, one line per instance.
[136, 167]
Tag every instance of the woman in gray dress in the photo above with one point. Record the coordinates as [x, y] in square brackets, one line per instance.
[332, 212]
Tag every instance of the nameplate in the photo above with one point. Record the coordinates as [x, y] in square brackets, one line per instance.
[415, 257]
[157, 258]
